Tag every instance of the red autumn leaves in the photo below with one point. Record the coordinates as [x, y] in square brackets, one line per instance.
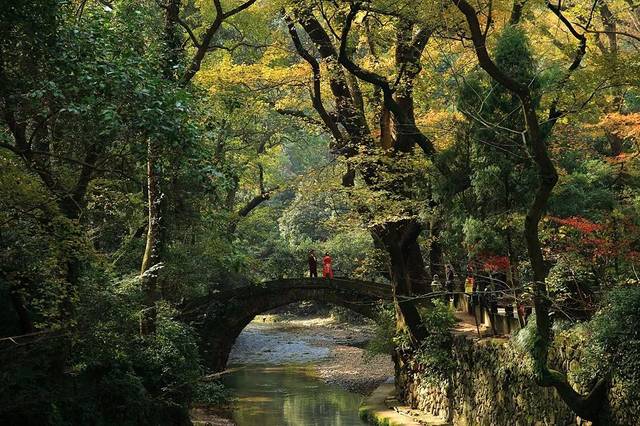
[615, 238]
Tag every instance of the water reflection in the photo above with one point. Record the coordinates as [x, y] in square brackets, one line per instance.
[278, 396]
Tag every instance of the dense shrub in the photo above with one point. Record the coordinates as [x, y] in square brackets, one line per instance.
[101, 371]
[382, 341]
[616, 335]
[434, 353]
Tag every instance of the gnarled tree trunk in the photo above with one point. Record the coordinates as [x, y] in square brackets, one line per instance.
[406, 267]
[589, 406]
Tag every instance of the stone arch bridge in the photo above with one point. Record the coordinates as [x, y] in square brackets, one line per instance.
[221, 317]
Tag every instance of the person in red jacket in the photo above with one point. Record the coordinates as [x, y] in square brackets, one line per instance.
[327, 270]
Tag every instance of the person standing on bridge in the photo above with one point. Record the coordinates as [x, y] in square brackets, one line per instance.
[313, 264]
[327, 270]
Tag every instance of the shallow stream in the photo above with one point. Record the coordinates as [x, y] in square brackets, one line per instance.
[273, 384]
[289, 395]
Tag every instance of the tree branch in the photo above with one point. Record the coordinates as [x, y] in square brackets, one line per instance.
[622, 33]
[479, 45]
[203, 47]
[264, 195]
[356, 131]
[407, 125]
[236, 46]
[316, 96]
[554, 113]
[556, 10]
[516, 11]
[234, 11]
[298, 114]
[355, 69]
[192, 36]
[68, 160]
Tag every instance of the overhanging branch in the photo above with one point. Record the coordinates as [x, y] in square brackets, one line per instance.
[316, 94]
[203, 46]
[407, 125]
[554, 113]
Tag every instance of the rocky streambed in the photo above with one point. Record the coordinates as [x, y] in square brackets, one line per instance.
[335, 351]
[278, 370]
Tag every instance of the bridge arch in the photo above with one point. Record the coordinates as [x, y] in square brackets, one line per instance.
[224, 315]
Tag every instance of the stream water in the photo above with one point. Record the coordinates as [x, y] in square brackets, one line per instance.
[289, 395]
[273, 383]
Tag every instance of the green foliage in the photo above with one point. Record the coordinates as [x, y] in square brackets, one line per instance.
[616, 335]
[170, 357]
[525, 339]
[84, 87]
[382, 341]
[112, 375]
[586, 189]
[434, 353]
[605, 346]
[210, 393]
[571, 283]
[480, 237]
[319, 221]
[501, 176]
[93, 86]
[514, 56]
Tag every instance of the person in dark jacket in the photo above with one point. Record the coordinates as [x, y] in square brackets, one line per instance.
[449, 282]
[449, 277]
[313, 264]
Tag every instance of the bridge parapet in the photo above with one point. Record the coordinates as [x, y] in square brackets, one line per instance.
[221, 317]
[201, 305]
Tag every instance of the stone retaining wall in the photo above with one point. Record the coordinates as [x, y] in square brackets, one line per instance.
[492, 384]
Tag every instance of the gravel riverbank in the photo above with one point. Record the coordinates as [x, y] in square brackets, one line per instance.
[335, 349]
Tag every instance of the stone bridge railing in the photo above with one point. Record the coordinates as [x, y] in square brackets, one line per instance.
[194, 310]
[221, 316]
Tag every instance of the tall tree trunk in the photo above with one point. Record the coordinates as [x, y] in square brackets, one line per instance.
[155, 244]
[20, 307]
[420, 283]
[407, 272]
[152, 259]
[436, 255]
[398, 239]
[588, 407]
[610, 25]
